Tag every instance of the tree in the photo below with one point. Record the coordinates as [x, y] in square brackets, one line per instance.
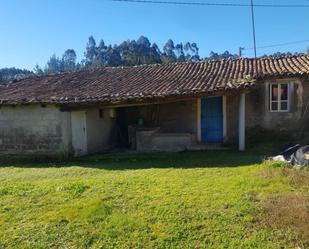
[38, 70]
[225, 55]
[279, 54]
[147, 53]
[101, 54]
[91, 51]
[180, 52]
[126, 49]
[192, 52]
[8, 74]
[155, 53]
[143, 42]
[143, 50]
[53, 65]
[69, 60]
[127, 53]
[113, 57]
[168, 52]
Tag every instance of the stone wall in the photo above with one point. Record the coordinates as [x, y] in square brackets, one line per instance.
[258, 108]
[34, 130]
[261, 123]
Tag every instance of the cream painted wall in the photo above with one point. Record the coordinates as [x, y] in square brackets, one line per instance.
[99, 130]
[46, 131]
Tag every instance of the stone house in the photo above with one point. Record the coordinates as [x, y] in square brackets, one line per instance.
[168, 107]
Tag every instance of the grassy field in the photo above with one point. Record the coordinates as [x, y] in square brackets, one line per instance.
[219, 199]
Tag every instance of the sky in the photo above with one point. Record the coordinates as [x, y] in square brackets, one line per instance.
[31, 31]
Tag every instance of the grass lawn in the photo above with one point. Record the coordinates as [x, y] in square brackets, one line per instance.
[219, 199]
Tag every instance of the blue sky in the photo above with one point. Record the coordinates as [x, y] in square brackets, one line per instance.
[31, 31]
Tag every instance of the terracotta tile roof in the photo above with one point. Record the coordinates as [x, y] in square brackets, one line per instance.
[151, 81]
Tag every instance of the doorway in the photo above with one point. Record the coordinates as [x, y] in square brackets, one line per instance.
[79, 133]
[212, 120]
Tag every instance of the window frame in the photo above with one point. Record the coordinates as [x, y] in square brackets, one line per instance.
[279, 101]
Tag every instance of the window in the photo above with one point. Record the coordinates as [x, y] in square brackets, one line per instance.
[279, 97]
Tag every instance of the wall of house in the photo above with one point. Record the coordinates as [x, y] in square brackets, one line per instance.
[99, 130]
[232, 104]
[34, 130]
[170, 117]
[176, 121]
[305, 85]
[258, 107]
[263, 124]
[179, 117]
[158, 141]
[290, 124]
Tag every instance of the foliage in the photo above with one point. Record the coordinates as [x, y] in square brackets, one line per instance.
[8, 74]
[161, 200]
[127, 53]
[138, 52]
[279, 54]
[130, 53]
[66, 64]
[225, 55]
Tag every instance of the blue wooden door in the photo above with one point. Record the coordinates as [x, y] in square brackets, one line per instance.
[212, 120]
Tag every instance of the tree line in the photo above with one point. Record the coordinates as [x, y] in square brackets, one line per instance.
[12, 73]
[127, 53]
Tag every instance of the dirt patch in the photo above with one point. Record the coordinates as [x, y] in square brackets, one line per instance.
[297, 177]
[288, 213]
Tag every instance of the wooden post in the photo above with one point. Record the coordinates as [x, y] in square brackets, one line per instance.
[242, 122]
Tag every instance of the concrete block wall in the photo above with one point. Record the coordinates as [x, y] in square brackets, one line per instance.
[34, 130]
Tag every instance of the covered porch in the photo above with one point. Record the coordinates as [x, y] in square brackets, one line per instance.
[174, 125]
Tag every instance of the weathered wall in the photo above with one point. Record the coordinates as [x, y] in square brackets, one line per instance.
[260, 121]
[258, 110]
[37, 130]
[306, 105]
[153, 141]
[173, 118]
[232, 104]
[99, 130]
[178, 117]
[34, 130]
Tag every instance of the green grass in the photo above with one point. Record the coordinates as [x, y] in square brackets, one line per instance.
[162, 200]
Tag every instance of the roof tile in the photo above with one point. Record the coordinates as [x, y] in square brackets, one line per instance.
[150, 81]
